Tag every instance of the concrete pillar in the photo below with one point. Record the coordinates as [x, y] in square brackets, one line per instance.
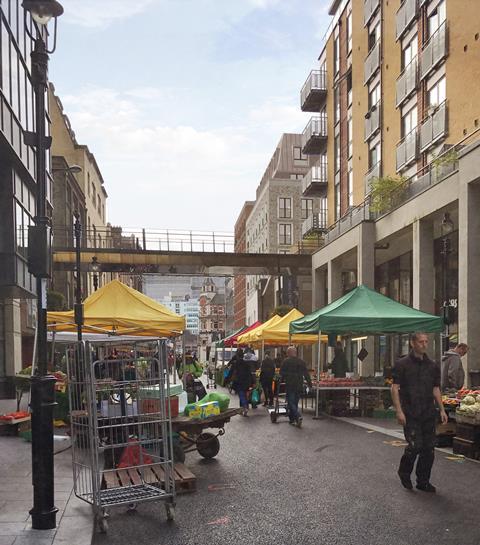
[318, 289]
[468, 273]
[334, 280]
[12, 336]
[366, 276]
[423, 284]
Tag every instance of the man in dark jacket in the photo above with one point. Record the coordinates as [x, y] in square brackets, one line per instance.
[293, 372]
[241, 378]
[453, 375]
[267, 372]
[415, 389]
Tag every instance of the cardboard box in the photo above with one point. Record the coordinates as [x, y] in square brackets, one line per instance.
[210, 409]
[152, 405]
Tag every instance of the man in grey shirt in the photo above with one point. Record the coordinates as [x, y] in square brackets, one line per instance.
[453, 375]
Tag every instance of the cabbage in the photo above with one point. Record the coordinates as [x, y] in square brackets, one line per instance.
[469, 400]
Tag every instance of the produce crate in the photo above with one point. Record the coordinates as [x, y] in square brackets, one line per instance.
[467, 448]
[449, 428]
[470, 432]
[384, 413]
[445, 440]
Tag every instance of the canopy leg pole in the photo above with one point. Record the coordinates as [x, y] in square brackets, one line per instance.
[317, 393]
[262, 355]
[52, 359]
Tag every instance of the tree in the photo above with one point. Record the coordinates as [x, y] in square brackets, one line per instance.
[280, 310]
[56, 301]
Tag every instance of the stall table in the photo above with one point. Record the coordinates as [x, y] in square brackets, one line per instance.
[354, 392]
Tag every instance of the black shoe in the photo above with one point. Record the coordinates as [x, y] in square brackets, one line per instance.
[299, 421]
[427, 488]
[292, 422]
[406, 482]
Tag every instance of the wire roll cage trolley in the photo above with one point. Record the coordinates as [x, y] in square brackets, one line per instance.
[121, 425]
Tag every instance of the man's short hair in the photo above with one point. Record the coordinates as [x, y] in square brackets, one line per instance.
[462, 345]
[414, 336]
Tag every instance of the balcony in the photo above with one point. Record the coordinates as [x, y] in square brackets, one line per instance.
[372, 121]
[407, 82]
[434, 51]
[372, 62]
[372, 174]
[407, 150]
[433, 128]
[314, 183]
[315, 223]
[369, 9]
[355, 216]
[314, 91]
[405, 15]
[314, 137]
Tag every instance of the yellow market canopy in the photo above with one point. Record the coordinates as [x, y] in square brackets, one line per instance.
[277, 334]
[120, 310]
[251, 336]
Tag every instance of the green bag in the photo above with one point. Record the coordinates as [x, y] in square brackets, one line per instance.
[223, 400]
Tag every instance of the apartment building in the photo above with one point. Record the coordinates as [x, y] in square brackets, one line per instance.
[279, 219]
[240, 282]
[396, 89]
[184, 306]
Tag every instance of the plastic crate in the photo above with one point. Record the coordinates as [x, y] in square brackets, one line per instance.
[466, 448]
[470, 432]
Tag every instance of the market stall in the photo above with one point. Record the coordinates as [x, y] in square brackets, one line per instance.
[362, 311]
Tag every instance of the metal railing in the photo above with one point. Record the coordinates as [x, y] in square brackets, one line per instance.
[354, 216]
[369, 9]
[316, 81]
[169, 240]
[406, 13]
[316, 222]
[407, 82]
[434, 51]
[316, 179]
[372, 62]
[315, 129]
[372, 121]
[434, 127]
[407, 150]
[372, 174]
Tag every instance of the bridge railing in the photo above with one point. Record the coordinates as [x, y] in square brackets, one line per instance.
[166, 240]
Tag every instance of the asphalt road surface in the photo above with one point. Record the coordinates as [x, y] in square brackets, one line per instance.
[327, 483]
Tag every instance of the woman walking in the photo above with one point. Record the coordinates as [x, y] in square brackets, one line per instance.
[241, 380]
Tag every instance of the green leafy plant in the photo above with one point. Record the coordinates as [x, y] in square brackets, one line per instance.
[444, 159]
[55, 301]
[281, 310]
[385, 191]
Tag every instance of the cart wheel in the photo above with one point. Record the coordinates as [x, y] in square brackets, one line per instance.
[170, 511]
[102, 522]
[178, 453]
[208, 445]
[132, 508]
[273, 418]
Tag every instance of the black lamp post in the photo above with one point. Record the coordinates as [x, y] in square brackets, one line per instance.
[78, 309]
[42, 402]
[95, 268]
[447, 229]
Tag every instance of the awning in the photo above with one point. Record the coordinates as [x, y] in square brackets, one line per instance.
[365, 311]
[252, 335]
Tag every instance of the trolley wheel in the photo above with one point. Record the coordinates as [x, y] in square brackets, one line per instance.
[132, 508]
[170, 511]
[178, 453]
[208, 445]
[102, 522]
[273, 417]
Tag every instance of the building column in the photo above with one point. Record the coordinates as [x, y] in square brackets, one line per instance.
[423, 266]
[11, 339]
[468, 271]
[366, 276]
[334, 279]
[318, 289]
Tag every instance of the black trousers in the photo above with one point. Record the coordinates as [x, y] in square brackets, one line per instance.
[420, 436]
[268, 390]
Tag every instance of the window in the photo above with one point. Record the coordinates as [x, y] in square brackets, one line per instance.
[336, 55]
[336, 104]
[350, 187]
[284, 207]
[437, 18]
[410, 52]
[94, 195]
[337, 201]
[285, 233]
[373, 37]
[298, 155]
[337, 152]
[438, 93]
[409, 121]
[349, 33]
[374, 96]
[349, 89]
[295, 177]
[88, 183]
[374, 155]
[307, 208]
[99, 208]
[350, 135]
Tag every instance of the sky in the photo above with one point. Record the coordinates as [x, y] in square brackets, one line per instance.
[183, 102]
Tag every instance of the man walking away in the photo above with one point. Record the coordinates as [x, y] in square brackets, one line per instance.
[415, 388]
[453, 375]
[292, 372]
[267, 372]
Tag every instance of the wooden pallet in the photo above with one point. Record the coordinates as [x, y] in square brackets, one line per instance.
[185, 480]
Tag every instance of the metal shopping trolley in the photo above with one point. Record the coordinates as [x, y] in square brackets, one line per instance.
[280, 406]
[121, 433]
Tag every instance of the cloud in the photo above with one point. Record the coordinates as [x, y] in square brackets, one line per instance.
[101, 13]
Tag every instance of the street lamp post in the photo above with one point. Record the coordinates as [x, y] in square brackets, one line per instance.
[78, 310]
[43, 511]
[95, 268]
[447, 229]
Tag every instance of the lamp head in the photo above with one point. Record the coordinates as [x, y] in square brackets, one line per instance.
[95, 265]
[43, 10]
[75, 169]
[447, 225]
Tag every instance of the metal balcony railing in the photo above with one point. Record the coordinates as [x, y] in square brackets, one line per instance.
[314, 91]
[369, 9]
[434, 51]
[374, 173]
[372, 121]
[315, 135]
[407, 82]
[355, 216]
[434, 127]
[372, 62]
[407, 150]
[315, 223]
[315, 182]
[405, 15]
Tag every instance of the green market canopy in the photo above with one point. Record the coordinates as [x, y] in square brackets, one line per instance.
[227, 341]
[365, 311]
